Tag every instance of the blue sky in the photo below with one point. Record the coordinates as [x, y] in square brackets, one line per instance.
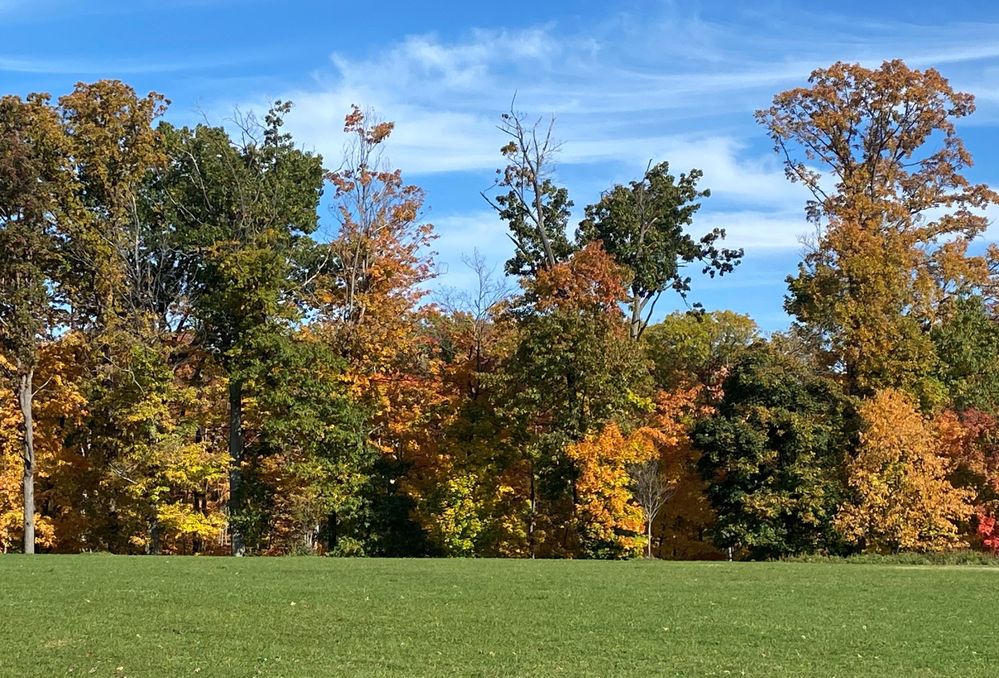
[628, 82]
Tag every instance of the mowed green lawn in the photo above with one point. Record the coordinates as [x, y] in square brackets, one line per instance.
[125, 616]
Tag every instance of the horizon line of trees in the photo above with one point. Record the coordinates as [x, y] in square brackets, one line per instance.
[191, 367]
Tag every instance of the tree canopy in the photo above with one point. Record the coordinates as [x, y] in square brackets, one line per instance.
[199, 357]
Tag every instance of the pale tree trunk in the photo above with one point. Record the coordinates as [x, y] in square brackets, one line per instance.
[636, 318]
[639, 316]
[235, 461]
[534, 513]
[648, 538]
[24, 398]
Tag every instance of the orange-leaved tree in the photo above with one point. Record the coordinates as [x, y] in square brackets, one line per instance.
[371, 304]
[610, 523]
[901, 496]
[573, 371]
[895, 215]
[968, 439]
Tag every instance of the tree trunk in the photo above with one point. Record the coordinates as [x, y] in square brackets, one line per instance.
[24, 398]
[235, 462]
[332, 532]
[153, 547]
[648, 537]
[635, 326]
[196, 507]
[534, 513]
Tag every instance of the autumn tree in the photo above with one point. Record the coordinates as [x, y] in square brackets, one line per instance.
[967, 441]
[610, 522]
[682, 527]
[879, 152]
[56, 400]
[124, 283]
[901, 497]
[380, 254]
[574, 369]
[687, 349]
[666, 473]
[643, 226]
[691, 355]
[472, 318]
[114, 149]
[623, 480]
[11, 474]
[370, 301]
[473, 506]
[35, 190]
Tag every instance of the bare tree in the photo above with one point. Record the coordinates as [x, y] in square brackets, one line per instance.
[535, 209]
[651, 490]
[477, 306]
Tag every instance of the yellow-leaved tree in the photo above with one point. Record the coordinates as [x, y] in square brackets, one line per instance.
[611, 524]
[902, 499]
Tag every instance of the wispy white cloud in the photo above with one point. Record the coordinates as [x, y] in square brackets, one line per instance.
[462, 233]
[755, 230]
[628, 89]
[609, 93]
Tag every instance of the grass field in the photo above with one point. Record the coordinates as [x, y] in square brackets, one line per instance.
[122, 616]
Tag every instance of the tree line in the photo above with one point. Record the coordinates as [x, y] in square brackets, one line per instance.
[195, 365]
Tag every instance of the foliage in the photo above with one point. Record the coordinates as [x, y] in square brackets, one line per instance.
[196, 360]
[369, 297]
[879, 152]
[611, 524]
[901, 499]
[35, 189]
[697, 348]
[574, 370]
[534, 207]
[771, 457]
[34, 195]
[642, 226]
[967, 348]
[262, 203]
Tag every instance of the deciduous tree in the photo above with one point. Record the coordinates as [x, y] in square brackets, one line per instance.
[651, 489]
[901, 497]
[688, 349]
[642, 226]
[35, 192]
[966, 340]
[253, 201]
[574, 370]
[896, 214]
[772, 457]
[534, 207]
[371, 304]
[610, 522]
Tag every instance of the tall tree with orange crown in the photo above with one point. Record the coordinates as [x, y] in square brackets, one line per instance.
[895, 215]
[370, 301]
[902, 498]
